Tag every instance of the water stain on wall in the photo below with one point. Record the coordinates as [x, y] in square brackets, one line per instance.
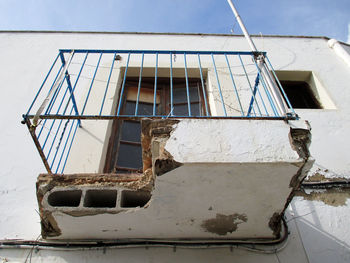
[223, 224]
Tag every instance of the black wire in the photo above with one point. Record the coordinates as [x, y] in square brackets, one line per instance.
[325, 185]
[185, 243]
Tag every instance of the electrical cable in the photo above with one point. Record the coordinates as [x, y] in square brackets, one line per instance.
[247, 244]
[326, 185]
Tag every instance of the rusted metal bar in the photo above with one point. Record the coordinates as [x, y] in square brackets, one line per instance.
[37, 144]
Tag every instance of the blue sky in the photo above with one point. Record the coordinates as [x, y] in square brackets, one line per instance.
[285, 17]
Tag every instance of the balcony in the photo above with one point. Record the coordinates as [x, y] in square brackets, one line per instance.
[165, 144]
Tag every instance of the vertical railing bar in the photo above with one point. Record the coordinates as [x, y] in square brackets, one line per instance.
[234, 85]
[171, 86]
[53, 123]
[109, 78]
[250, 85]
[266, 90]
[219, 87]
[65, 145]
[54, 139]
[42, 85]
[261, 98]
[280, 86]
[70, 146]
[57, 91]
[203, 88]
[258, 90]
[187, 88]
[53, 99]
[253, 111]
[123, 86]
[92, 82]
[251, 104]
[71, 90]
[61, 79]
[139, 85]
[59, 143]
[155, 86]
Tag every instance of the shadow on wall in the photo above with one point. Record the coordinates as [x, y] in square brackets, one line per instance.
[320, 245]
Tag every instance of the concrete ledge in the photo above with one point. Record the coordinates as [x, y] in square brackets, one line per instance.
[202, 180]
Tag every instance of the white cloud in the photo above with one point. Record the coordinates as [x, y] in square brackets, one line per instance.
[348, 34]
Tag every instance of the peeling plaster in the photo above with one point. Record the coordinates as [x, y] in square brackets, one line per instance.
[333, 197]
[325, 175]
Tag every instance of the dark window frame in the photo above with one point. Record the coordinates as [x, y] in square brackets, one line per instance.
[163, 87]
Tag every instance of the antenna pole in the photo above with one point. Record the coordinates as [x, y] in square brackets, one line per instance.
[272, 86]
[243, 28]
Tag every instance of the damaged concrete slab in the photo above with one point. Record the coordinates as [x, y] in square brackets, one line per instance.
[202, 179]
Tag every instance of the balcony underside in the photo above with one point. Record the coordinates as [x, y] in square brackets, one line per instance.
[203, 179]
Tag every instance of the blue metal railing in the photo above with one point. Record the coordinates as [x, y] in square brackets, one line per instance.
[230, 83]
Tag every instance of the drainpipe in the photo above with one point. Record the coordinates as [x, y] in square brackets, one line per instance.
[339, 50]
[266, 74]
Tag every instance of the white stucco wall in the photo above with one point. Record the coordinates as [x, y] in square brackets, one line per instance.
[25, 59]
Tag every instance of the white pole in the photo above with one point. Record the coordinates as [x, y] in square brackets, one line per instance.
[339, 50]
[243, 28]
[271, 84]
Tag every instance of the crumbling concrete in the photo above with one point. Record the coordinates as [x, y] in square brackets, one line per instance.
[300, 139]
[92, 194]
[88, 194]
[333, 197]
[155, 134]
[188, 166]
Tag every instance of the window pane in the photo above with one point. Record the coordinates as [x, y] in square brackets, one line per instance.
[180, 94]
[129, 156]
[131, 131]
[195, 109]
[182, 109]
[143, 108]
[129, 108]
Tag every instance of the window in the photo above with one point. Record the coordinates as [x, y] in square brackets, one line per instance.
[300, 95]
[124, 154]
[304, 90]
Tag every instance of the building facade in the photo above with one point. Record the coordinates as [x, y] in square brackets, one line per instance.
[216, 160]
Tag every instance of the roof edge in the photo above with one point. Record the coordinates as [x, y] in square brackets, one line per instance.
[155, 33]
